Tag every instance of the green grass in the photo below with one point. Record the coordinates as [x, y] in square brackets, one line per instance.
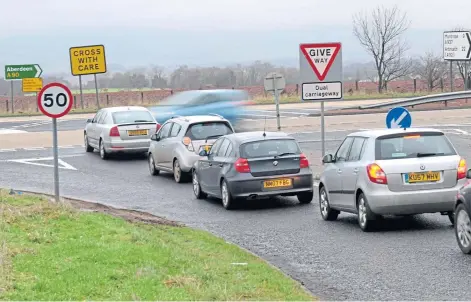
[54, 252]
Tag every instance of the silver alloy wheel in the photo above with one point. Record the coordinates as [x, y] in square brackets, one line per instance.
[102, 150]
[176, 170]
[196, 185]
[151, 165]
[324, 204]
[463, 225]
[225, 194]
[362, 212]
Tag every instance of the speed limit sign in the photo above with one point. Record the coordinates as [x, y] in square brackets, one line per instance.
[55, 100]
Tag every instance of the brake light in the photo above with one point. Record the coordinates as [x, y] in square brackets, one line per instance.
[242, 165]
[187, 142]
[376, 174]
[303, 162]
[114, 131]
[157, 127]
[462, 169]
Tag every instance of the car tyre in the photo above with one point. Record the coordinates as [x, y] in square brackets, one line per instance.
[103, 154]
[326, 212]
[152, 169]
[178, 174]
[463, 229]
[88, 148]
[228, 202]
[197, 187]
[451, 217]
[366, 218]
[305, 197]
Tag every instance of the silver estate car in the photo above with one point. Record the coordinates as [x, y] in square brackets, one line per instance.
[253, 165]
[391, 172]
[175, 148]
[120, 130]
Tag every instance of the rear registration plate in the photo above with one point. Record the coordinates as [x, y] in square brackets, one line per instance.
[137, 132]
[422, 177]
[277, 183]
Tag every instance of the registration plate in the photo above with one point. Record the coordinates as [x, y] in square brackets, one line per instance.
[422, 177]
[137, 132]
[277, 183]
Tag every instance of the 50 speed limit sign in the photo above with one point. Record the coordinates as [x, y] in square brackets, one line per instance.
[55, 100]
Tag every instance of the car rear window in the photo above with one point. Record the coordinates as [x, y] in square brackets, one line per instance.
[136, 116]
[211, 130]
[272, 147]
[412, 145]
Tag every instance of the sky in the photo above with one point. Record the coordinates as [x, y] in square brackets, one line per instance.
[203, 32]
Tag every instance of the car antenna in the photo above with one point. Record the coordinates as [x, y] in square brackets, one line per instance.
[264, 127]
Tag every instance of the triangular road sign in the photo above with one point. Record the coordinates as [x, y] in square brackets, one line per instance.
[320, 56]
[34, 161]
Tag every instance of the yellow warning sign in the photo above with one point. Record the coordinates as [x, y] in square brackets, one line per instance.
[87, 60]
[32, 84]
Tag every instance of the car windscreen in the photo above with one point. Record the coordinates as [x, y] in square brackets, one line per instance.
[270, 147]
[132, 116]
[208, 130]
[413, 145]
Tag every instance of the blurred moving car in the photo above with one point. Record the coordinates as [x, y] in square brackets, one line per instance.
[176, 146]
[124, 129]
[462, 216]
[253, 165]
[391, 172]
[228, 103]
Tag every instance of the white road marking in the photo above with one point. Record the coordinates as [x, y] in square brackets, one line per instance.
[34, 148]
[7, 150]
[33, 161]
[39, 148]
[11, 131]
[461, 131]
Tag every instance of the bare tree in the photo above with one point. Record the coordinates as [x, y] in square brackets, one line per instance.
[431, 68]
[381, 36]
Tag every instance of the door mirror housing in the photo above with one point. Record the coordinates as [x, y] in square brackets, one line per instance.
[468, 174]
[89, 121]
[328, 158]
[203, 153]
[154, 137]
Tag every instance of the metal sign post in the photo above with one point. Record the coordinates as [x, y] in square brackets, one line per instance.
[55, 100]
[321, 74]
[275, 82]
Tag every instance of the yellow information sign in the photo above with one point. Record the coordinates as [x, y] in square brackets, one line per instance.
[87, 59]
[32, 84]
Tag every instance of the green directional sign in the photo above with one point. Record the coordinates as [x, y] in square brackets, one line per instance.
[25, 71]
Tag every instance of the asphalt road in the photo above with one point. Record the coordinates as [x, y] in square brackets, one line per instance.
[409, 259]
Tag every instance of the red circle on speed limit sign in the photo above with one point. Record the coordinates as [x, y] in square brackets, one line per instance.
[55, 100]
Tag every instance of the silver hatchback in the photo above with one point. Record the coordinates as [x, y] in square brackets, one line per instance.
[120, 130]
[391, 172]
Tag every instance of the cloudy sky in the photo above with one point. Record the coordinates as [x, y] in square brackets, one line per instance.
[172, 32]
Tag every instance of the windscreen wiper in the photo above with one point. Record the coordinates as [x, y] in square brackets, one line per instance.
[283, 154]
[428, 154]
[212, 136]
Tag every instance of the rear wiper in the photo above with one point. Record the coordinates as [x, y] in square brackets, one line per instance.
[283, 154]
[212, 136]
[142, 121]
[428, 154]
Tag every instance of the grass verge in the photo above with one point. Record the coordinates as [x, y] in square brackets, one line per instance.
[54, 251]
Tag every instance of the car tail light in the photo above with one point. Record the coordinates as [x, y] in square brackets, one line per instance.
[462, 169]
[114, 131]
[303, 162]
[187, 142]
[157, 127]
[376, 174]
[242, 165]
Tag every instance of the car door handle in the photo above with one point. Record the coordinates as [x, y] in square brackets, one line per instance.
[355, 171]
[339, 171]
[220, 165]
[210, 164]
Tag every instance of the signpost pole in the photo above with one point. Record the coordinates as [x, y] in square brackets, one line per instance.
[277, 103]
[12, 104]
[96, 93]
[322, 129]
[465, 75]
[451, 76]
[56, 159]
[81, 94]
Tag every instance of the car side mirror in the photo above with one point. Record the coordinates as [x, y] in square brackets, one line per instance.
[328, 158]
[468, 174]
[203, 153]
[154, 137]
[89, 121]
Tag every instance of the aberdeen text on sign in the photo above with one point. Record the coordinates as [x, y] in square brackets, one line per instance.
[87, 60]
[18, 72]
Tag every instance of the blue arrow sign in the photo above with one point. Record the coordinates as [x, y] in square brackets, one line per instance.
[398, 117]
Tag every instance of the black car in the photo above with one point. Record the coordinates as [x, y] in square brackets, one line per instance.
[253, 165]
[462, 216]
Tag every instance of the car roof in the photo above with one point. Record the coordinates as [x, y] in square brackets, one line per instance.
[211, 91]
[199, 118]
[125, 108]
[374, 133]
[244, 137]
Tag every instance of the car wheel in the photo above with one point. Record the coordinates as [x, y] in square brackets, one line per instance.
[305, 197]
[178, 174]
[463, 229]
[228, 201]
[88, 148]
[451, 217]
[326, 212]
[103, 153]
[152, 169]
[366, 218]
[197, 188]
